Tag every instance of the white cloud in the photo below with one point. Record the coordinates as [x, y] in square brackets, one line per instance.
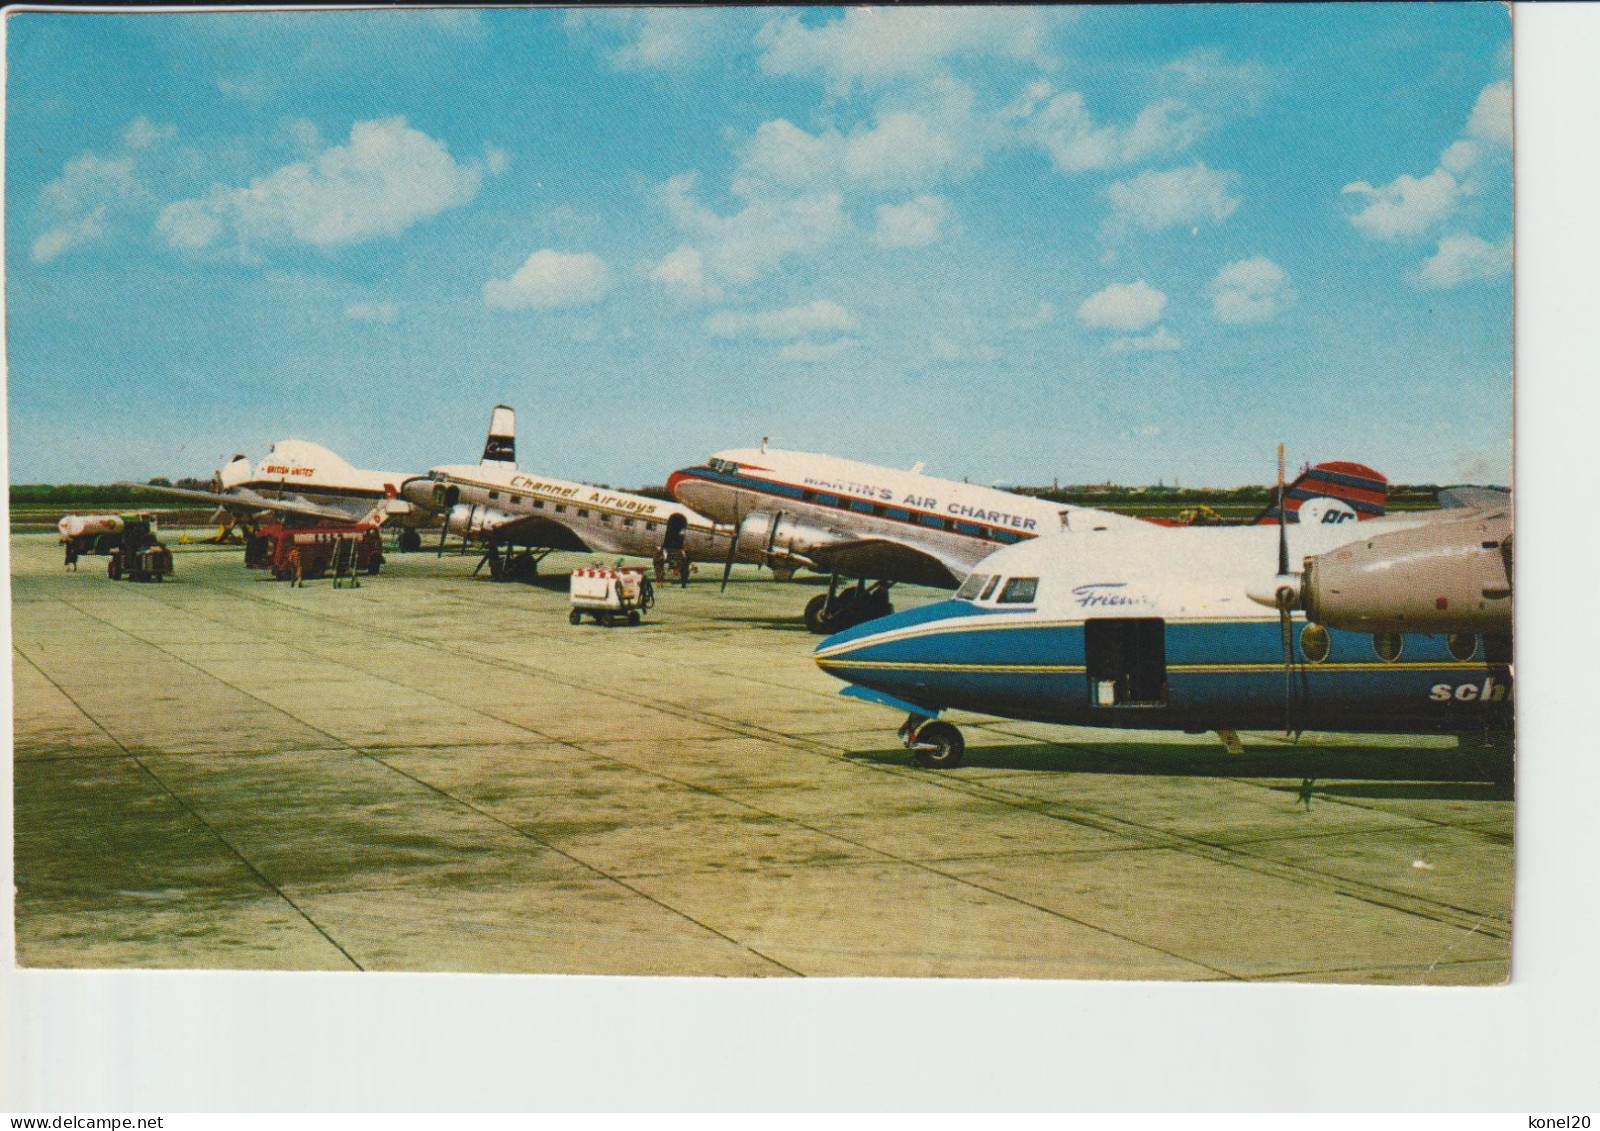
[1123, 306]
[1410, 206]
[1192, 194]
[1161, 341]
[387, 178]
[1491, 114]
[872, 46]
[1465, 259]
[753, 242]
[683, 271]
[79, 203]
[142, 133]
[661, 38]
[1250, 290]
[1042, 314]
[904, 148]
[815, 351]
[953, 352]
[1062, 126]
[381, 312]
[916, 223]
[1407, 206]
[550, 279]
[822, 317]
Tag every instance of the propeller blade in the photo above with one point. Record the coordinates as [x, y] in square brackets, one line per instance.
[1283, 520]
[733, 548]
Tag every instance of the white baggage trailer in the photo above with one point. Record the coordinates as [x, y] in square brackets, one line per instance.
[606, 594]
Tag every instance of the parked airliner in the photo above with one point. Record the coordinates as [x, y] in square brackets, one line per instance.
[1189, 630]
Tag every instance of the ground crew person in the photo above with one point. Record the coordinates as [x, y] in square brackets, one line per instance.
[72, 554]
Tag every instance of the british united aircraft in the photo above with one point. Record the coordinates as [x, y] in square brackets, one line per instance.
[494, 503]
[797, 510]
[300, 479]
[1193, 630]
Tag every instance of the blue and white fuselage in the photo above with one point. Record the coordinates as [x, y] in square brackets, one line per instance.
[1159, 630]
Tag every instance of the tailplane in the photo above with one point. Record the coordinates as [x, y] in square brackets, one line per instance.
[500, 450]
[1342, 491]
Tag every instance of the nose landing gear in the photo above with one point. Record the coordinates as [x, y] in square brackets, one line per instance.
[835, 610]
[935, 745]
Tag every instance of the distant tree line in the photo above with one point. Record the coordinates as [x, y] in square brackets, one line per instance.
[70, 495]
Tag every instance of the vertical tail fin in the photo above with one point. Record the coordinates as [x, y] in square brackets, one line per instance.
[501, 447]
[1351, 488]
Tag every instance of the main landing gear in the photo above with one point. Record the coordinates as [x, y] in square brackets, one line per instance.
[935, 745]
[835, 610]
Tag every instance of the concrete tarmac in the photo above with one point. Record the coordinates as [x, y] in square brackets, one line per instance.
[437, 772]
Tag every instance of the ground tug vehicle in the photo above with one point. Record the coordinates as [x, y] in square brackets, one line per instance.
[607, 594]
[138, 554]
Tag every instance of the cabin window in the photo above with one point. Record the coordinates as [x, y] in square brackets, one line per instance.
[583, 513]
[538, 504]
[560, 509]
[627, 522]
[604, 517]
[971, 587]
[1019, 591]
[827, 500]
[1126, 661]
[649, 526]
[988, 590]
[933, 520]
[494, 494]
[861, 505]
[515, 499]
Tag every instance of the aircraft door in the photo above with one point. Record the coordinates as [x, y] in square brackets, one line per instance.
[673, 539]
[1126, 661]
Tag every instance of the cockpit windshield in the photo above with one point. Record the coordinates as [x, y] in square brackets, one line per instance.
[971, 587]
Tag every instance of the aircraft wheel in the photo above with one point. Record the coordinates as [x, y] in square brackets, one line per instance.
[607, 620]
[410, 540]
[633, 617]
[816, 615]
[575, 617]
[945, 746]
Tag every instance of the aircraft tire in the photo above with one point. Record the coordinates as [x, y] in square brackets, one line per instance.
[633, 616]
[607, 620]
[575, 617]
[410, 540]
[817, 619]
[947, 747]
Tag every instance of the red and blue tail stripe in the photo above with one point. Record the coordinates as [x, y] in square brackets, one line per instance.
[1364, 490]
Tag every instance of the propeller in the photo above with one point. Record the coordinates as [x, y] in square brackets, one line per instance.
[733, 549]
[1286, 594]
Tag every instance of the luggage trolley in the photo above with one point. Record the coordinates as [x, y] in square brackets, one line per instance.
[606, 594]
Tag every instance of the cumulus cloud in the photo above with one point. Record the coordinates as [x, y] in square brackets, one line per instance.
[142, 133]
[1406, 206]
[819, 318]
[380, 312]
[1123, 306]
[1192, 194]
[551, 279]
[1250, 290]
[1161, 341]
[873, 46]
[660, 38]
[79, 203]
[916, 223]
[1465, 259]
[683, 271]
[385, 179]
[1409, 205]
[904, 147]
[1062, 126]
[752, 243]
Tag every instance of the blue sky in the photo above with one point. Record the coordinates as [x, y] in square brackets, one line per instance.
[1122, 243]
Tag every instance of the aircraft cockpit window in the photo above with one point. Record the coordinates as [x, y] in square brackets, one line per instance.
[724, 465]
[1019, 591]
[971, 587]
[988, 590]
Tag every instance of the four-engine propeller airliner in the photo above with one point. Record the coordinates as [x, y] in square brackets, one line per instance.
[494, 503]
[1166, 629]
[797, 510]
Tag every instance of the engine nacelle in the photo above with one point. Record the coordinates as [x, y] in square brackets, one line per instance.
[1446, 576]
[467, 521]
[781, 541]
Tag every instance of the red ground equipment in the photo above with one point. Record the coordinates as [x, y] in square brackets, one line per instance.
[294, 553]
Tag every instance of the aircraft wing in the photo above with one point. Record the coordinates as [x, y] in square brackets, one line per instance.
[241, 499]
[1473, 498]
[537, 530]
[882, 558]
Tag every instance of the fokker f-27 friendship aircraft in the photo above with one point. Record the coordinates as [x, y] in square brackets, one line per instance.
[494, 503]
[1193, 630]
[797, 510]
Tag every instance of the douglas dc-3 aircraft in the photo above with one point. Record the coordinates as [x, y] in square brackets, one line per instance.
[1193, 630]
[794, 510]
[502, 507]
[303, 480]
